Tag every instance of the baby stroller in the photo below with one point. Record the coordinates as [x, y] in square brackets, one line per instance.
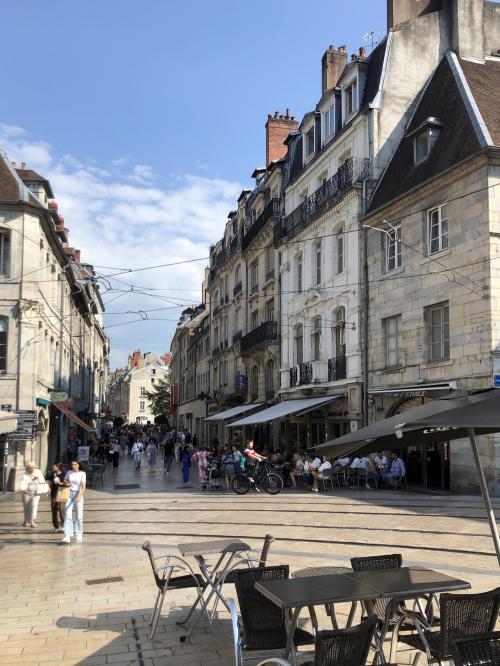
[214, 476]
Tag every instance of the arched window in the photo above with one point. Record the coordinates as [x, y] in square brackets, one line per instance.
[4, 330]
[316, 339]
[340, 250]
[254, 385]
[270, 378]
[299, 344]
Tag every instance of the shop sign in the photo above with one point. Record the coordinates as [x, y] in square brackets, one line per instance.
[83, 453]
[58, 396]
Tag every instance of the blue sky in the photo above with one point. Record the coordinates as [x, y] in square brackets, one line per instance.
[148, 118]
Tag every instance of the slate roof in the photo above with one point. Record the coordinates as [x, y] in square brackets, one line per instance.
[442, 99]
[9, 185]
[28, 175]
[484, 82]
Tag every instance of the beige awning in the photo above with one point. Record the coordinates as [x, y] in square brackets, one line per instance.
[285, 408]
[234, 411]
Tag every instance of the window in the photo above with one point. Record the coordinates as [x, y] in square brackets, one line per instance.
[142, 406]
[142, 391]
[299, 344]
[298, 274]
[237, 274]
[329, 122]
[317, 264]
[351, 100]
[152, 380]
[316, 339]
[254, 376]
[393, 249]
[4, 253]
[4, 331]
[309, 142]
[216, 337]
[391, 333]
[254, 319]
[224, 373]
[270, 310]
[269, 261]
[254, 276]
[226, 329]
[423, 143]
[439, 332]
[153, 371]
[226, 288]
[269, 378]
[437, 229]
[339, 241]
[237, 320]
[339, 332]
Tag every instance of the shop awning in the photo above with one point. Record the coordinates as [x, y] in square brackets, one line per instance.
[43, 402]
[71, 415]
[234, 411]
[285, 408]
[413, 390]
[8, 422]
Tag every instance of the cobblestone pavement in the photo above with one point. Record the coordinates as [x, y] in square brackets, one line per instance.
[50, 614]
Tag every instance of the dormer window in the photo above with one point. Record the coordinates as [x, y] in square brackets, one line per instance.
[424, 142]
[350, 100]
[329, 122]
[309, 142]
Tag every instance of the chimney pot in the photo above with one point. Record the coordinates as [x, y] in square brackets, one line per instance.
[331, 47]
[276, 114]
[343, 49]
[13, 164]
[362, 52]
[23, 165]
[332, 66]
[354, 57]
[278, 127]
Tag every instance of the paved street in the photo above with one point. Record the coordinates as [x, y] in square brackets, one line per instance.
[51, 614]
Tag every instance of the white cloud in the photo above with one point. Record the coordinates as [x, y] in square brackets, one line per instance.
[126, 222]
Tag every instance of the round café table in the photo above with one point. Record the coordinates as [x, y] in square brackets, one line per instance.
[330, 609]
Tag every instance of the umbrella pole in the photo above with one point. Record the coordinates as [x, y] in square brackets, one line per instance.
[484, 492]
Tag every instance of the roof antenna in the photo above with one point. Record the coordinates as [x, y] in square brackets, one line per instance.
[369, 39]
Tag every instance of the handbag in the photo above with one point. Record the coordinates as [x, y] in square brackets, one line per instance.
[62, 494]
[42, 488]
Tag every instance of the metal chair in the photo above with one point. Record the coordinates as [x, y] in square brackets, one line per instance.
[400, 482]
[326, 479]
[162, 572]
[462, 616]
[261, 625]
[484, 650]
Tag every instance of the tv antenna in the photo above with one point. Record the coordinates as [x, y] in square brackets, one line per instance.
[368, 38]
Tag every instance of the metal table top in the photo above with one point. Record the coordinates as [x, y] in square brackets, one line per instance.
[406, 582]
[320, 571]
[216, 547]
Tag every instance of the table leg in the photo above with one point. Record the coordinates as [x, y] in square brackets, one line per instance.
[291, 618]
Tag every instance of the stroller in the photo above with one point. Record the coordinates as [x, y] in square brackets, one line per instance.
[214, 476]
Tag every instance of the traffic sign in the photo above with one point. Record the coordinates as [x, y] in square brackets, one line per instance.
[496, 380]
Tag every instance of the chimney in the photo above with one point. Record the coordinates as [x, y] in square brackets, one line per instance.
[23, 165]
[278, 127]
[332, 66]
[77, 256]
[13, 164]
[467, 19]
[399, 11]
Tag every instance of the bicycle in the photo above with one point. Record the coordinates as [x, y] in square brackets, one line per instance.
[265, 477]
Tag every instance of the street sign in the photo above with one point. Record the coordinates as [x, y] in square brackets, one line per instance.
[496, 380]
[58, 396]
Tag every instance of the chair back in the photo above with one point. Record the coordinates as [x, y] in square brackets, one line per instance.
[465, 615]
[268, 541]
[345, 647]
[327, 473]
[257, 612]
[377, 562]
[159, 580]
[484, 650]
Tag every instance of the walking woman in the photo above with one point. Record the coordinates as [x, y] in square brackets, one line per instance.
[186, 462]
[151, 451]
[56, 480]
[77, 482]
[201, 460]
[33, 486]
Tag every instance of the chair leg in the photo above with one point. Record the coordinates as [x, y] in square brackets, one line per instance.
[352, 612]
[155, 607]
[158, 613]
[416, 660]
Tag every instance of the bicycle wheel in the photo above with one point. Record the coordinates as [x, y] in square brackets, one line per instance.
[241, 484]
[272, 483]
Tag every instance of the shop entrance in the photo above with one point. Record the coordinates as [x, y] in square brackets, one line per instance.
[427, 465]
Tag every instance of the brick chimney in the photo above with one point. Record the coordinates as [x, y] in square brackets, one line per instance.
[332, 66]
[134, 359]
[399, 11]
[278, 127]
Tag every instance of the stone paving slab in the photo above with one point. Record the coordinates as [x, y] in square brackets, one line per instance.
[50, 615]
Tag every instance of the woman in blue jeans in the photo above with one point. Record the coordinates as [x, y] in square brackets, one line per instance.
[186, 462]
[77, 482]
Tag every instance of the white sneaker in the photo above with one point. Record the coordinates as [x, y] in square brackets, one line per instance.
[66, 540]
[79, 537]
[315, 490]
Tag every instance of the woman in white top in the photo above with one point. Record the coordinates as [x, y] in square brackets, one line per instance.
[77, 482]
[30, 483]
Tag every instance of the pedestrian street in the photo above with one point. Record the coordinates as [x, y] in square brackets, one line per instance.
[91, 602]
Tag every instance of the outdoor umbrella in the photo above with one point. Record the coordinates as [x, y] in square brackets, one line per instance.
[459, 414]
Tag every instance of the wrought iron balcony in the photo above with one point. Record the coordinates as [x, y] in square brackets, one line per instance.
[352, 171]
[216, 311]
[271, 210]
[238, 288]
[237, 337]
[261, 335]
[305, 373]
[293, 376]
[337, 368]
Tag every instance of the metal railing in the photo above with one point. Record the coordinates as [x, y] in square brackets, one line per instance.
[237, 337]
[238, 288]
[271, 210]
[305, 373]
[352, 171]
[293, 376]
[337, 368]
[265, 332]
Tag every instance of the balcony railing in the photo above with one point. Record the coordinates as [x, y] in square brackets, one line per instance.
[271, 210]
[238, 288]
[293, 376]
[352, 171]
[216, 311]
[262, 334]
[337, 368]
[305, 373]
[237, 337]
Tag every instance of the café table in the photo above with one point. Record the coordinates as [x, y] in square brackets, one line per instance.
[214, 576]
[294, 594]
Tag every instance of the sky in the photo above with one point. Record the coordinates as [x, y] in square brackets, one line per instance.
[148, 119]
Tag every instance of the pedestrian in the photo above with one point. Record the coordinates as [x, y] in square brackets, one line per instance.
[76, 480]
[186, 462]
[201, 460]
[229, 467]
[33, 486]
[137, 449]
[151, 451]
[56, 480]
[168, 455]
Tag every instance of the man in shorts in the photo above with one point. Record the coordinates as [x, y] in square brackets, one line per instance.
[252, 458]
